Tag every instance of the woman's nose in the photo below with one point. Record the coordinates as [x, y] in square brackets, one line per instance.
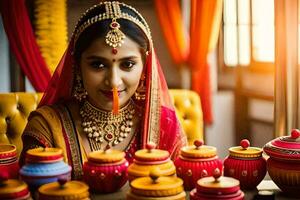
[114, 77]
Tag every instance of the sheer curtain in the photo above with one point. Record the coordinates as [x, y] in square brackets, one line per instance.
[193, 51]
[287, 85]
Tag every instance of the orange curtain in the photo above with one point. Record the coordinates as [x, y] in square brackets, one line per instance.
[169, 15]
[204, 30]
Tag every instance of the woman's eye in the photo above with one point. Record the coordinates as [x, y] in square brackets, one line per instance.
[128, 64]
[97, 65]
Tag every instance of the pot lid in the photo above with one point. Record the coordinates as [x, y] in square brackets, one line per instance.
[245, 151]
[64, 190]
[44, 155]
[285, 147]
[157, 185]
[151, 154]
[106, 156]
[12, 188]
[198, 150]
[218, 184]
[7, 151]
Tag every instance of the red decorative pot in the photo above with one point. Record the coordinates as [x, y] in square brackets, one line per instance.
[284, 162]
[9, 160]
[196, 162]
[217, 187]
[245, 164]
[105, 171]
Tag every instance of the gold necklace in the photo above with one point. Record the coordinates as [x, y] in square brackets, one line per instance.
[100, 125]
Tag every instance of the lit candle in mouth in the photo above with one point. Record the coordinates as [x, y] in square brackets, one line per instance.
[115, 101]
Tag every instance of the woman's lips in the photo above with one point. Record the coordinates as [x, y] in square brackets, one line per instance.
[109, 94]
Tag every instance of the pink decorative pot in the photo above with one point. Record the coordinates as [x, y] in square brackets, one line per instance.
[217, 187]
[245, 164]
[9, 160]
[196, 162]
[284, 162]
[105, 171]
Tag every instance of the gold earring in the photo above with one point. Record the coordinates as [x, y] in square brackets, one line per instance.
[140, 93]
[79, 92]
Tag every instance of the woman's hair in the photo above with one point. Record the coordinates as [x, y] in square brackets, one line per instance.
[100, 29]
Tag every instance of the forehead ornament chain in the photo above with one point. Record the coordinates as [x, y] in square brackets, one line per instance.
[114, 37]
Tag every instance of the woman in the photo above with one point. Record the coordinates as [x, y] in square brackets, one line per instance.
[108, 89]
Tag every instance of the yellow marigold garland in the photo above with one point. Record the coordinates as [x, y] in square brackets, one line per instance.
[51, 29]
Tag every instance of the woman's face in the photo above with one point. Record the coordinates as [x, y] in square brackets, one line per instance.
[102, 70]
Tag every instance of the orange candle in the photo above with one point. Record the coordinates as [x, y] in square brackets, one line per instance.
[115, 101]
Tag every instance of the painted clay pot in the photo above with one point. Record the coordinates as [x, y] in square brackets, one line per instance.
[105, 171]
[147, 159]
[246, 164]
[44, 165]
[196, 162]
[63, 189]
[217, 187]
[157, 187]
[13, 189]
[284, 163]
[9, 160]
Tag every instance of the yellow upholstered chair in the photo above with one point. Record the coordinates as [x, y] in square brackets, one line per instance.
[16, 107]
[189, 111]
[14, 111]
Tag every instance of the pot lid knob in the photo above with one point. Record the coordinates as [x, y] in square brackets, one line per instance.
[198, 143]
[295, 134]
[154, 175]
[217, 174]
[245, 143]
[150, 146]
[62, 181]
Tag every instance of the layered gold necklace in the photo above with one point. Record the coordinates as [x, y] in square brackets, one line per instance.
[100, 125]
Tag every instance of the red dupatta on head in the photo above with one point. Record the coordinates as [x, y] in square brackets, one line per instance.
[160, 125]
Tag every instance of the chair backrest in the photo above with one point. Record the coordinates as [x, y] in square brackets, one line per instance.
[16, 107]
[14, 111]
[188, 109]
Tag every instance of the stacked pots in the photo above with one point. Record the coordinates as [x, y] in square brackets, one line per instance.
[105, 171]
[44, 165]
[147, 159]
[246, 164]
[284, 162]
[196, 162]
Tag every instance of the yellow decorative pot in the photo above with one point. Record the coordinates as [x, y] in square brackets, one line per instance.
[147, 159]
[12, 189]
[156, 187]
[64, 190]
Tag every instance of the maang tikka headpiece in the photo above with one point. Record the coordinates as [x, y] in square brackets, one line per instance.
[115, 37]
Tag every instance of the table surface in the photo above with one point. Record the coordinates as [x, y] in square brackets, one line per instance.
[249, 195]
